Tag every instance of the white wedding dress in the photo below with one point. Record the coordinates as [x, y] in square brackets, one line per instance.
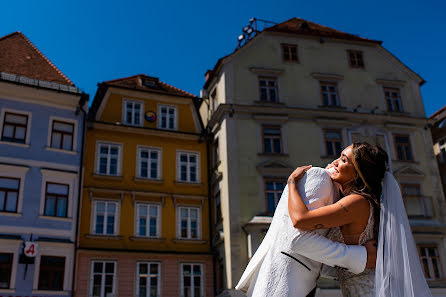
[398, 270]
[356, 285]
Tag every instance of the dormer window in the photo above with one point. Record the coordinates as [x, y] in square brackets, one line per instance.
[150, 83]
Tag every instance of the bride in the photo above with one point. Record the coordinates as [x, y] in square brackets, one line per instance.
[372, 208]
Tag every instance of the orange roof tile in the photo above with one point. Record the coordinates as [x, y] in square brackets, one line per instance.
[144, 82]
[304, 27]
[21, 57]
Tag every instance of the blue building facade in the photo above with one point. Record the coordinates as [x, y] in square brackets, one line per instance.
[41, 142]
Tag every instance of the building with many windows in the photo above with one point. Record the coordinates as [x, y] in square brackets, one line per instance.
[41, 140]
[297, 93]
[144, 222]
[439, 138]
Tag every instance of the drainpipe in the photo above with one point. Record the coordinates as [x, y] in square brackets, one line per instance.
[208, 137]
[84, 98]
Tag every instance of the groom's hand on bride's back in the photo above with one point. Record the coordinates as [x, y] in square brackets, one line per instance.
[371, 247]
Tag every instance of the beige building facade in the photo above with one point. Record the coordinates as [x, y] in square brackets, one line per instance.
[295, 94]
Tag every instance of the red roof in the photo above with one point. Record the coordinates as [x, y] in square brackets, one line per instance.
[437, 115]
[21, 57]
[304, 27]
[144, 82]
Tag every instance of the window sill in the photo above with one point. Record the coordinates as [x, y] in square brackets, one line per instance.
[397, 113]
[15, 143]
[188, 240]
[186, 183]
[167, 129]
[7, 290]
[338, 107]
[66, 293]
[106, 176]
[107, 237]
[273, 154]
[52, 149]
[147, 239]
[268, 103]
[10, 214]
[148, 180]
[69, 220]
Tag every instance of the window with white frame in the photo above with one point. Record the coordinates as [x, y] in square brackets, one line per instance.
[167, 117]
[268, 89]
[273, 192]
[62, 135]
[5, 270]
[148, 218]
[393, 99]
[51, 273]
[108, 159]
[189, 222]
[9, 194]
[416, 204]
[149, 279]
[430, 260]
[133, 113]
[272, 139]
[15, 126]
[188, 167]
[103, 279]
[149, 163]
[105, 217]
[403, 147]
[329, 93]
[56, 199]
[333, 143]
[191, 280]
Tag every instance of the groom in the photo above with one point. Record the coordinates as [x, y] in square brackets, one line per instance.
[288, 262]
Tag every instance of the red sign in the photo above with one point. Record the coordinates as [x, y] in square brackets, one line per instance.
[30, 249]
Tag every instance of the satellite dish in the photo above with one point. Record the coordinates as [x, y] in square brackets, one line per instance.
[240, 37]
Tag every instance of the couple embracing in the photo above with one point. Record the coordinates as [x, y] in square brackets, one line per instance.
[314, 233]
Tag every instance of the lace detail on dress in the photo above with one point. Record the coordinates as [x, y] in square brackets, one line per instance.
[357, 285]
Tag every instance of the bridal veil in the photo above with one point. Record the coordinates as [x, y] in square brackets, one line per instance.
[398, 269]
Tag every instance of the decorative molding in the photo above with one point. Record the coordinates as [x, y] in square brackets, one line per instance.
[391, 82]
[327, 76]
[270, 117]
[266, 71]
[182, 240]
[147, 239]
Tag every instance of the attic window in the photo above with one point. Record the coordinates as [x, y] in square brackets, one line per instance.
[304, 26]
[148, 83]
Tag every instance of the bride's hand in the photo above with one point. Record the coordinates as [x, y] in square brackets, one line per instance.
[298, 173]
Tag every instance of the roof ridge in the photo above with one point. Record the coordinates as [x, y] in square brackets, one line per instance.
[10, 34]
[44, 57]
[178, 89]
[123, 78]
[437, 112]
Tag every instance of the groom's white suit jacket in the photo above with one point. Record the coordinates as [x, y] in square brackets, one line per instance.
[288, 262]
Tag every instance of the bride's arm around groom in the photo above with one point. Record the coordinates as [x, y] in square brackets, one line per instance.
[288, 261]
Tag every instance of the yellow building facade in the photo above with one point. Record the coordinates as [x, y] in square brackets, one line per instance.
[144, 223]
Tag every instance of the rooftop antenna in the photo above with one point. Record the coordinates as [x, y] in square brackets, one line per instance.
[254, 27]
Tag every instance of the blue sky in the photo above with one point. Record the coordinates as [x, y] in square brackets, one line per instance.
[177, 41]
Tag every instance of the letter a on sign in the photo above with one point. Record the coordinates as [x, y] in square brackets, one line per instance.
[30, 249]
